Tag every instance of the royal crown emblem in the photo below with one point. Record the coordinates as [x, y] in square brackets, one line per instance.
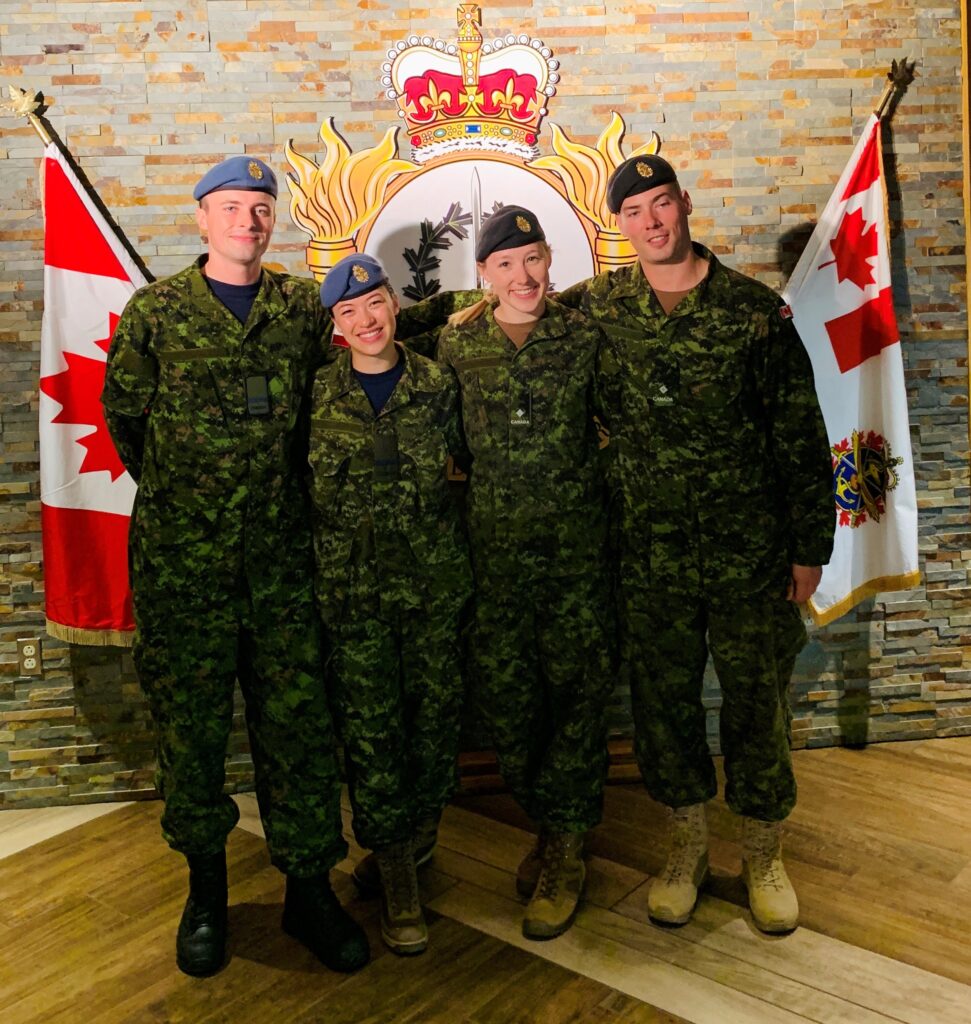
[255, 171]
[471, 95]
[473, 111]
[360, 274]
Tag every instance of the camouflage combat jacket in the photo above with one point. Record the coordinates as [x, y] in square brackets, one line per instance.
[719, 452]
[378, 486]
[536, 496]
[218, 479]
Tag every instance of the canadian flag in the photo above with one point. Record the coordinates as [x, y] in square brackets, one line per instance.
[86, 495]
[842, 305]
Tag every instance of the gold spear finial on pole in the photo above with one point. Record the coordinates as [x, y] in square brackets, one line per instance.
[24, 104]
[900, 75]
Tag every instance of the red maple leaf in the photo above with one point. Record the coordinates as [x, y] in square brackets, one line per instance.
[853, 247]
[78, 390]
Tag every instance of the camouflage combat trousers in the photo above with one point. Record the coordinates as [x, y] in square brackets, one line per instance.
[192, 644]
[396, 687]
[543, 674]
[753, 641]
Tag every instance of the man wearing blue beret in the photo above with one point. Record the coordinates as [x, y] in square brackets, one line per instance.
[205, 379]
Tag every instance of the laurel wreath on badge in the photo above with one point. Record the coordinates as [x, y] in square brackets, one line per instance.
[423, 260]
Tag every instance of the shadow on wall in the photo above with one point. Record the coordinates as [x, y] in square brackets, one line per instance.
[830, 693]
[116, 755]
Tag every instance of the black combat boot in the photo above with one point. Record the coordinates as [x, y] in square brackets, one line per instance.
[312, 914]
[200, 947]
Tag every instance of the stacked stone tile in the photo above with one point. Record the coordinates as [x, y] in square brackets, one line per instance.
[760, 102]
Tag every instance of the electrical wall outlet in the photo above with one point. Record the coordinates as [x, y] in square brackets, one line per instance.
[29, 651]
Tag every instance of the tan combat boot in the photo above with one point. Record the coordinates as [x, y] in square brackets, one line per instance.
[403, 926]
[365, 873]
[770, 894]
[527, 874]
[557, 896]
[674, 892]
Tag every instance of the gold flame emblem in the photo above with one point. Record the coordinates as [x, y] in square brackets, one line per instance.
[523, 224]
[360, 274]
[255, 171]
[584, 172]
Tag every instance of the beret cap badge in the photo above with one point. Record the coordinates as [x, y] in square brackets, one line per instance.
[523, 224]
[635, 175]
[237, 172]
[355, 274]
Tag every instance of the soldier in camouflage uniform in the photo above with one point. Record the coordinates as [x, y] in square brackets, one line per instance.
[205, 377]
[536, 517]
[722, 474]
[393, 575]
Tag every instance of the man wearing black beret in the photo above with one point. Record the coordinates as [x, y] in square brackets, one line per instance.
[722, 474]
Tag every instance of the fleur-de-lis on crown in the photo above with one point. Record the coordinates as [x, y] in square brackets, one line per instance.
[506, 98]
[435, 100]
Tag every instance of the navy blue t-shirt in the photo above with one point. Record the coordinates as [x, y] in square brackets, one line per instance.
[379, 386]
[237, 298]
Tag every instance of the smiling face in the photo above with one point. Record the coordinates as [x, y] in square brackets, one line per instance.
[656, 222]
[520, 278]
[238, 224]
[368, 324]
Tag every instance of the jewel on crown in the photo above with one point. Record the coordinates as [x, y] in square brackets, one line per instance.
[464, 96]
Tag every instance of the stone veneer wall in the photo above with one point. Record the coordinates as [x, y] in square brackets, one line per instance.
[759, 101]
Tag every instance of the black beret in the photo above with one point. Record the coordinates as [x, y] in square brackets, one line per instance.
[508, 228]
[637, 174]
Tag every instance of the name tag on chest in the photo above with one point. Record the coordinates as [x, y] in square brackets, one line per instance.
[257, 395]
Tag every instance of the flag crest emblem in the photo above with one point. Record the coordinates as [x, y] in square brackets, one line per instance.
[863, 474]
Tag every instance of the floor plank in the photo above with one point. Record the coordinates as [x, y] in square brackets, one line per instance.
[878, 848]
[20, 829]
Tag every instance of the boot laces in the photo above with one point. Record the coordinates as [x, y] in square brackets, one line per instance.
[682, 857]
[767, 861]
[402, 883]
[687, 846]
[552, 873]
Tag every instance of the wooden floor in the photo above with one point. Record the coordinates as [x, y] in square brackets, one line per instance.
[879, 848]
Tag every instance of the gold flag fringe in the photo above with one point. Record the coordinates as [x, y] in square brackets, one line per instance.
[91, 637]
[869, 589]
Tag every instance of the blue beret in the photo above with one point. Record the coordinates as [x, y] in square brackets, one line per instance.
[508, 228]
[352, 276]
[637, 174]
[242, 172]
